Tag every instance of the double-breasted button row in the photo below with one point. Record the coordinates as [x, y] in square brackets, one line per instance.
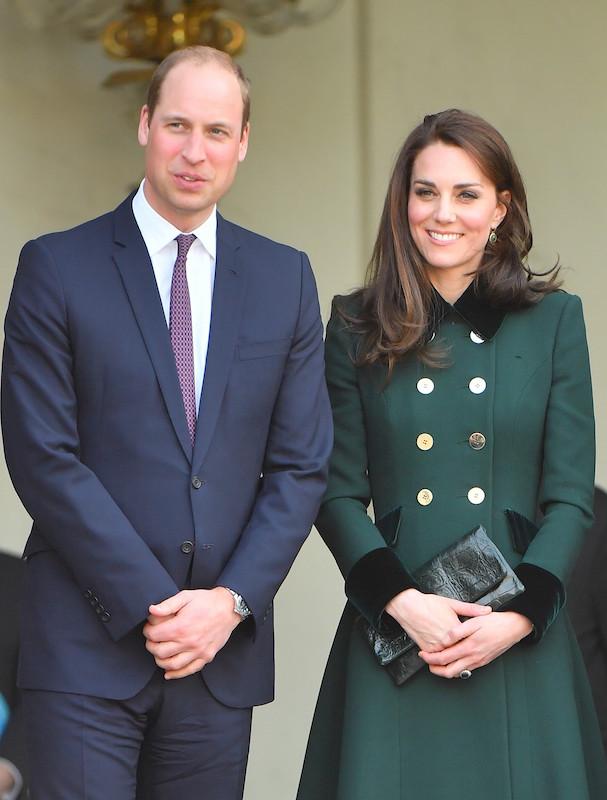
[99, 608]
[477, 385]
[425, 441]
[476, 496]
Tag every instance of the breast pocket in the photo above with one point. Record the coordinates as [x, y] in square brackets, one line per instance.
[276, 347]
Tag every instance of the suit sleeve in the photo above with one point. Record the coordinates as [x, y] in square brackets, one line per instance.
[373, 573]
[72, 511]
[295, 464]
[566, 491]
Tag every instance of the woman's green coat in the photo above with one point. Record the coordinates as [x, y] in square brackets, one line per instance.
[523, 727]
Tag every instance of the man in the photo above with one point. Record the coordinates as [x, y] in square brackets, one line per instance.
[167, 427]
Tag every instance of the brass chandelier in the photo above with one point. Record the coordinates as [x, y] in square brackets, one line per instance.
[149, 30]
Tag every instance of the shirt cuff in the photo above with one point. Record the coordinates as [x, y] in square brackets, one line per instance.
[374, 580]
[541, 601]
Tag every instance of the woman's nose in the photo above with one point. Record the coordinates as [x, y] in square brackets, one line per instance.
[444, 211]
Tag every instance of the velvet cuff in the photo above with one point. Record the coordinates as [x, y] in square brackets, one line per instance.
[541, 601]
[374, 580]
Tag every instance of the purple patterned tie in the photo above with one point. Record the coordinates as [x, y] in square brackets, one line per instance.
[180, 328]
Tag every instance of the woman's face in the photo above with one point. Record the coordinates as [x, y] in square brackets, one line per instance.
[452, 208]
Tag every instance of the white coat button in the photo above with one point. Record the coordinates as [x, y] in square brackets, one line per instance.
[477, 385]
[425, 441]
[425, 386]
[424, 497]
[476, 338]
[476, 495]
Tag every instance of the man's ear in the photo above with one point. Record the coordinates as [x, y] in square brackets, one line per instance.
[144, 126]
[244, 142]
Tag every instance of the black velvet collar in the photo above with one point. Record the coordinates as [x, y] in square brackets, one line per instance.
[473, 308]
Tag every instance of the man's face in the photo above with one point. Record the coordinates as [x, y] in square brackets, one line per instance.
[193, 142]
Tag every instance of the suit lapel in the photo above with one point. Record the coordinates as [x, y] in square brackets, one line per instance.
[226, 309]
[133, 261]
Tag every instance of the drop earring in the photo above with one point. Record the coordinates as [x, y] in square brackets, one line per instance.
[492, 236]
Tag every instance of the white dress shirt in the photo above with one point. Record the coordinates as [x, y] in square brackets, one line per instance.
[159, 237]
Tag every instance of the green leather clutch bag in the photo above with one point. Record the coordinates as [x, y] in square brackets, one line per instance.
[473, 570]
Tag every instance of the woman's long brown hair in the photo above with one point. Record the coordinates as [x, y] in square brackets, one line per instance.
[394, 308]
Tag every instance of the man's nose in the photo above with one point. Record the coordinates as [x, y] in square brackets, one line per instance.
[194, 150]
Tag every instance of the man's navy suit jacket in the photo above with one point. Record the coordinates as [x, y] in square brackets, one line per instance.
[97, 445]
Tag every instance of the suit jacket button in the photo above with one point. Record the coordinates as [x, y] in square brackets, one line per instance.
[105, 616]
[187, 547]
[196, 482]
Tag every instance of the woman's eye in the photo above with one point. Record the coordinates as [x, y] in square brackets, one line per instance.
[423, 192]
[469, 196]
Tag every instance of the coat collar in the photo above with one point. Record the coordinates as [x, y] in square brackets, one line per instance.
[473, 307]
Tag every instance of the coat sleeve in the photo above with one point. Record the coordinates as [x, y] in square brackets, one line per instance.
[294, 467]
[73, 513]
[373, 573]
[566, 490]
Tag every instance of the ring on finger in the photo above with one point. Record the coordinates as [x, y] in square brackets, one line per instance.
[465, 674]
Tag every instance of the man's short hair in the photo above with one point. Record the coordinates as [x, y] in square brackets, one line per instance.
[199, 54]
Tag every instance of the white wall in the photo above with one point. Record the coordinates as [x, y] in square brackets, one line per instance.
[331, 105]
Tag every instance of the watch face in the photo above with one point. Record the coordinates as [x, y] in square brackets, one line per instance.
[240, 607]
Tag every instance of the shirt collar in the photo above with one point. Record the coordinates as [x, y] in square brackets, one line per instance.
[158, 232]
[473, 307]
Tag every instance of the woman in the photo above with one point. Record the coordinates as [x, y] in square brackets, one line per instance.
[460, 388]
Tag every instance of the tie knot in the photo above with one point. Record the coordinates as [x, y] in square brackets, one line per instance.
[184, 242]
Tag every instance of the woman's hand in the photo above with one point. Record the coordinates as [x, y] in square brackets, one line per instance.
[484, 638]
[433, 621]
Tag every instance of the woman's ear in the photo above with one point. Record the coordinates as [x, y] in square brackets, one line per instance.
[501, 209]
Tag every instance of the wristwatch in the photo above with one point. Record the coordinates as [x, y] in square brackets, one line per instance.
[240, 606]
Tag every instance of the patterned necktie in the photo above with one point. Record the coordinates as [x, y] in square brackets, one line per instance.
[180, 328]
